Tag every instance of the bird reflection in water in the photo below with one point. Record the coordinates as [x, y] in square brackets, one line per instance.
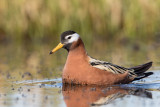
[86, 96]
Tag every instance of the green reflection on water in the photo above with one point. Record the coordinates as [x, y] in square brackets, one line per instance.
[33, 62]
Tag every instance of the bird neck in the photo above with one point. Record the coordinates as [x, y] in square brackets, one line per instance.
[77, 50]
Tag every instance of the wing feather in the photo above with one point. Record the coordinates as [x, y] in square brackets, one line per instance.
[110, 67]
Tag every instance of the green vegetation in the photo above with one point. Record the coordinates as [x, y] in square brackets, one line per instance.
[121, 32]
[45, 20]
[125, 32]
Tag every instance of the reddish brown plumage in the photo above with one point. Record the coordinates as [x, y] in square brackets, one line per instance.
[84, 70]
[77, 69]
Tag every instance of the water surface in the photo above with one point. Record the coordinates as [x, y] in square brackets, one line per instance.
[32, 78]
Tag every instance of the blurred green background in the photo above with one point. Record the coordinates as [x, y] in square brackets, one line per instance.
[125, 32]
[108, 20]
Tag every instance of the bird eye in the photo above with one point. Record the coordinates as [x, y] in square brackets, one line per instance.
[69, 37]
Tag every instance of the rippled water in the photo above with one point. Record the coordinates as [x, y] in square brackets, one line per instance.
[33, 79]
[51, 92]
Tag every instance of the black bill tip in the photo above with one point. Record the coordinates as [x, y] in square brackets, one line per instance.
[51, 52]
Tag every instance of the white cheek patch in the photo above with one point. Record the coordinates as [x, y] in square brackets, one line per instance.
[74, 37]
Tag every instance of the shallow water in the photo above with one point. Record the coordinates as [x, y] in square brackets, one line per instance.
[33, 79]
[51, 92]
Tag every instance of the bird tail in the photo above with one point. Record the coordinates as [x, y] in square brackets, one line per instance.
[140, 70]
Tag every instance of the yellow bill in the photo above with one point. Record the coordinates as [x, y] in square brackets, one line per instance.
[59, 46]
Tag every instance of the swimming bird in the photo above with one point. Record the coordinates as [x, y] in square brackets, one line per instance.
[82, 69]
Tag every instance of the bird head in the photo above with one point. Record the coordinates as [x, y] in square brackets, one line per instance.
[67, 39]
